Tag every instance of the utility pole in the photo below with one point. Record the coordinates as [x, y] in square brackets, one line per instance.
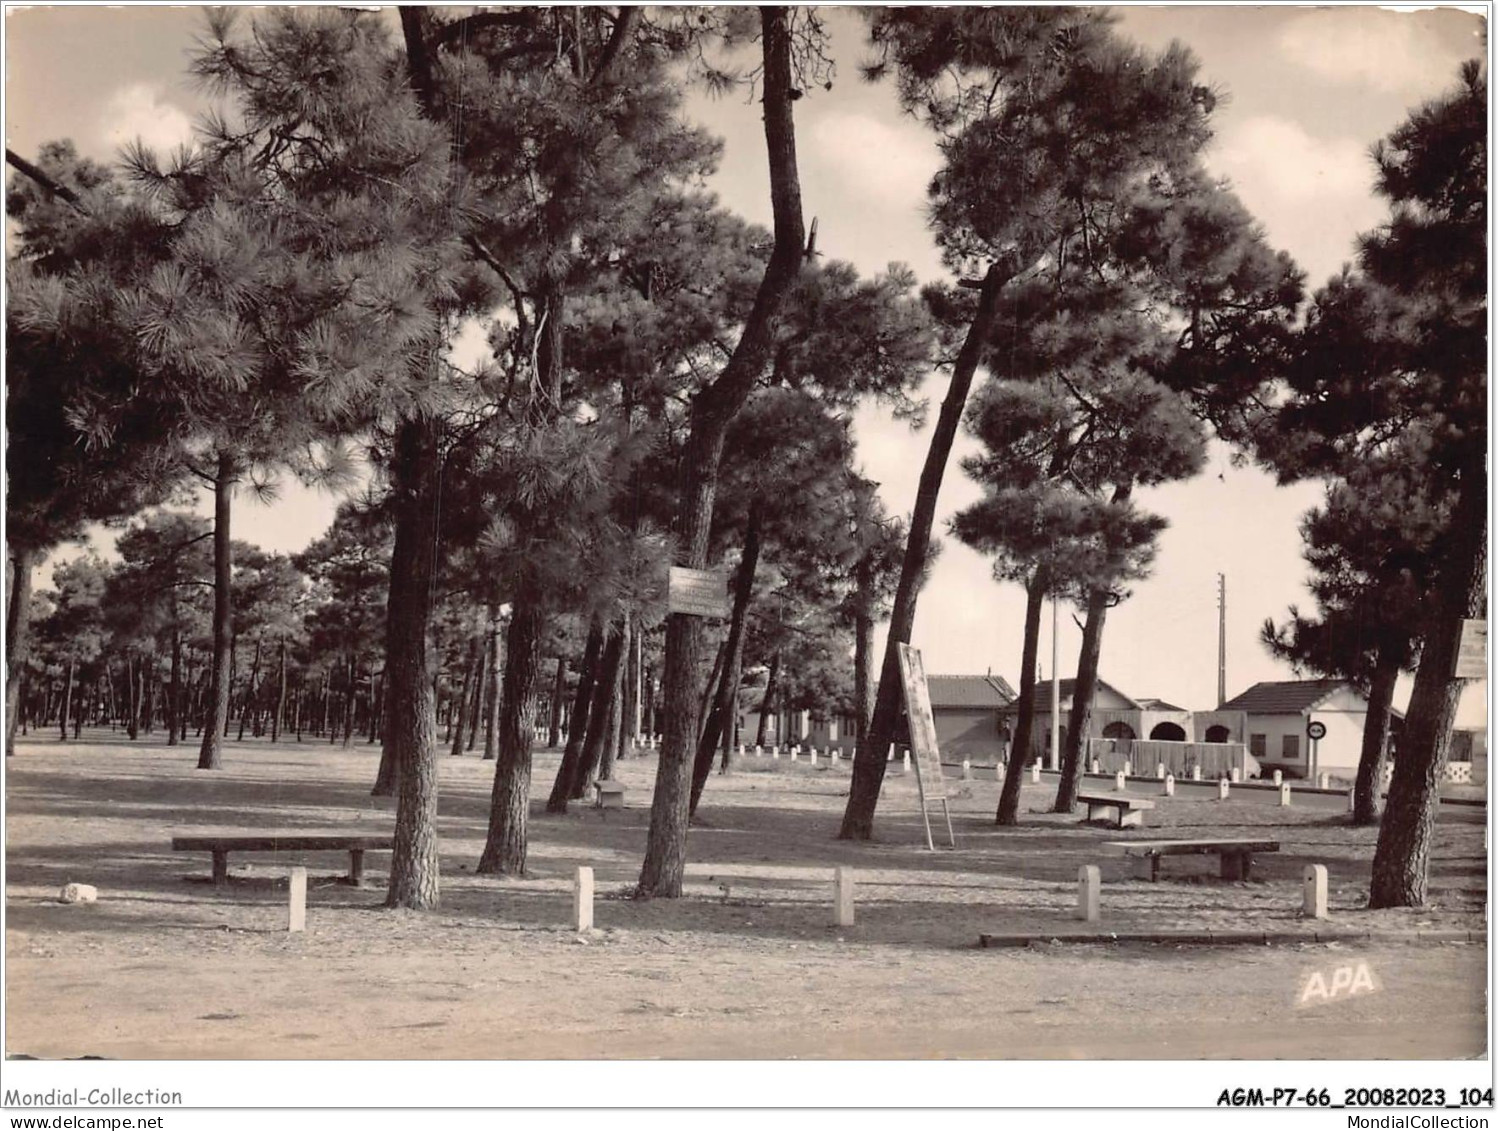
[1222, 639]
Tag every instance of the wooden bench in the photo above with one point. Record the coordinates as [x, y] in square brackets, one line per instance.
[1236, 855]
[610, 795]
[221, 844]
[1121, 808]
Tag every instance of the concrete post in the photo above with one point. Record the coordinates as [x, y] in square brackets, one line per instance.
[1128, 769]
[297, 909]
[1323, 781]
[842, 883]
[582, 900]
[1222, 790]
[906, 763]
[1284, 795]
[1278, 777]
[1160, 770]
[1170, 785]
[1313, 887]
[967, 770]
[1196, 773]
[1097, 767]
[1089, 883]
[813, 755]
[1352, 800]
[1237, 774]
[1034, 773]
[1119, 782]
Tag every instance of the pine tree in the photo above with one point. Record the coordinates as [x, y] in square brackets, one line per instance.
[1391, 367]
[1048, 123]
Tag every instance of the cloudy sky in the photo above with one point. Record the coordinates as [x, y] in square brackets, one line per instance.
[1308, 91]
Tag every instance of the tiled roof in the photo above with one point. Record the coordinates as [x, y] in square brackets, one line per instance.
[1289, 697]
[1068, 689]
[969, 691]
[1157, 705]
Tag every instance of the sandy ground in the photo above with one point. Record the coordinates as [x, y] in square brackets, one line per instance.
[746, 965]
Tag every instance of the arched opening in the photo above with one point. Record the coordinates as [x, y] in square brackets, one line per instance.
[1168, 732]
[1218, 734]
[1118, 730]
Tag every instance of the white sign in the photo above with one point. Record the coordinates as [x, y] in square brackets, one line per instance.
[698, 592]
[1472, 650]
[928, 777]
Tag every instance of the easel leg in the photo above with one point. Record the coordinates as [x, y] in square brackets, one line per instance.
[947, 813]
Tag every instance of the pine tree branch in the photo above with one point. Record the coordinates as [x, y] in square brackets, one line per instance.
[56, 188]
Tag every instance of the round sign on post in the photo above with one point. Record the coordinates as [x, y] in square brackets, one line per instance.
[1316, 729]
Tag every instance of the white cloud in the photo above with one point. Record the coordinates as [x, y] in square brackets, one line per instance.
[1313, 195]
[140, 111]
[889, 163]
[1279, 157]
[1392, 51]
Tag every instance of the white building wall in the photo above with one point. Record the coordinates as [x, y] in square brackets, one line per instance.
[1337, 753]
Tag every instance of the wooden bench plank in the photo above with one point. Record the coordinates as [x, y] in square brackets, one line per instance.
[1235, 856]
[221, 844]
[1127, 800]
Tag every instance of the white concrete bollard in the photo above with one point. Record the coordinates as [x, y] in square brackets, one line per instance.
[758, 751]
[741, 750]
[890, 757]
[1237, 774]
[1170, 785]
[1089, 884]
[906, 763]
[1313, 888]
[1128, 769]
[1284, 795]
[1119, 782]
[1352, 800]
[1222, 790]
[795, 752]
[813, 755]
[1196, 773]
[1160, 770]
[842, 884]
[1323, 781]
[775, 752]
[1279, 777]
[582, 900]
[1034, 773]
[1097, 767]
[296, 919]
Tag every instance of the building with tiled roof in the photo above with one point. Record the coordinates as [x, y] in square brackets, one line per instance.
[1277, 724]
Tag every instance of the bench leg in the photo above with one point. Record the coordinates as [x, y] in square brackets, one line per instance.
[1234, 866]
[220, 866]
[356, 867]
[1145, 868]
[1131, 818]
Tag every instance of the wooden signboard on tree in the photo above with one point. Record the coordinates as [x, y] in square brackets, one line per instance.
[923, 740]
[1472, 650]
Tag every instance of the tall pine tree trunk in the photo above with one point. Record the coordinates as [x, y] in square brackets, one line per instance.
[275, 720]
[210, 754]
[558, 689]
[1367, 794]
[491, 690]
[868, 763]
[1084, 693]
[410, 724]
[577, 724]
[174, 720]
[509, 805]
[604, 690]
[23, 561]
[67, 702]
[772, 682]
[249, 692]
[613, 726]
[459, 732]
[725, 702]
[1019, 749]
[713, 409]
[1401, 863]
